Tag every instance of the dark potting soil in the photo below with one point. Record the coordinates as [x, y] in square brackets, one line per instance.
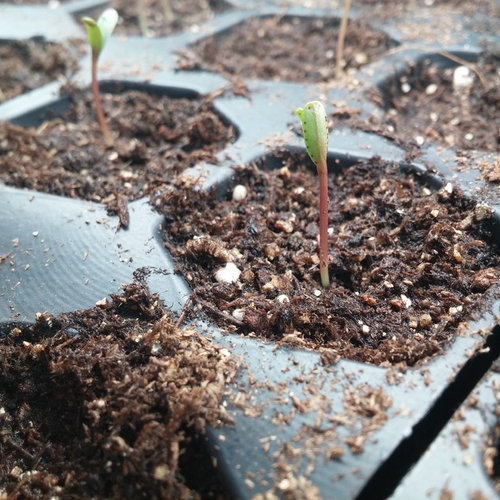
[162, 17]
[407, 265]
[285, 48]
[29, 64]
[104, 403]
[67, 155]
[424, 106]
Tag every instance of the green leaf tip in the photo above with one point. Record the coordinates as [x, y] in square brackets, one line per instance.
[315, 128]
[99, 31]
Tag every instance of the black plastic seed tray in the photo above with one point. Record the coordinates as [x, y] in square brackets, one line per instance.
[455, 462]
[67, 254]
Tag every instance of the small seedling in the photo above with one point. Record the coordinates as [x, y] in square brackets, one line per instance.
[314, 126]
[98, 33]
[341, 38]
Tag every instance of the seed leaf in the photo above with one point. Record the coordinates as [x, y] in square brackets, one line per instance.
[99, 32]
[314, 126]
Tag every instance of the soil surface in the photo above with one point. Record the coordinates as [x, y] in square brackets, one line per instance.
[29, 64]
[407, 265]
[425, 106]
[285, 48]
[67, 155]
[103, 403]
[422, 108]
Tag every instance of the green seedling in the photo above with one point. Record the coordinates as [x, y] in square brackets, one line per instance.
[314, 126]
[98, 33]
[341, 38]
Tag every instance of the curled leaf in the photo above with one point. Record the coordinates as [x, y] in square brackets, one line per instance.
[99, 31]
[314, 126]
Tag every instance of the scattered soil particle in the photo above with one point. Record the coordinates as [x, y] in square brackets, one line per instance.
[364, 411]
[407, 265]
[102, 403]
[162, 17]
[285, 48]
[29, 64]
[67, 155]
[491, 455]
[423, 107]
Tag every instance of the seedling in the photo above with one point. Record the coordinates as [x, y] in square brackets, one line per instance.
[341, 38]
[314, 126]
[98, 33]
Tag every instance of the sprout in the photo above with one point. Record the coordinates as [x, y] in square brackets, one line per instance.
[341, 38]
[98, 33]
[314, 126]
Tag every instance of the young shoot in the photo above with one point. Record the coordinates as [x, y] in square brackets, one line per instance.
[341, 38]
[314, 126]
[98, 33]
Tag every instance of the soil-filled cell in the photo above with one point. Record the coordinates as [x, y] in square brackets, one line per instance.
[29, 64]
[456, 106]
[67, 155]
[407, 265]
[297, 49]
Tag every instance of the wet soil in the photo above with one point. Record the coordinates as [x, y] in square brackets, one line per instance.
[162, 17]
[407, 265]
[424, 105]
[67, 155]
[29, 64]
[105, 403]
[285, 48]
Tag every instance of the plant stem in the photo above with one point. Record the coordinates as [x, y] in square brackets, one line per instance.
[142, 17]
[323, 225]
[167, 10]
[341, 38]
[97, 102]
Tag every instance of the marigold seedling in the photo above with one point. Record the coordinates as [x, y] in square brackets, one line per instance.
[314, 126]
[98, 33]
[341, 38]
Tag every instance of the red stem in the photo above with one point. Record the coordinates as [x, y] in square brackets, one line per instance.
[97, 102]
[323, 225]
